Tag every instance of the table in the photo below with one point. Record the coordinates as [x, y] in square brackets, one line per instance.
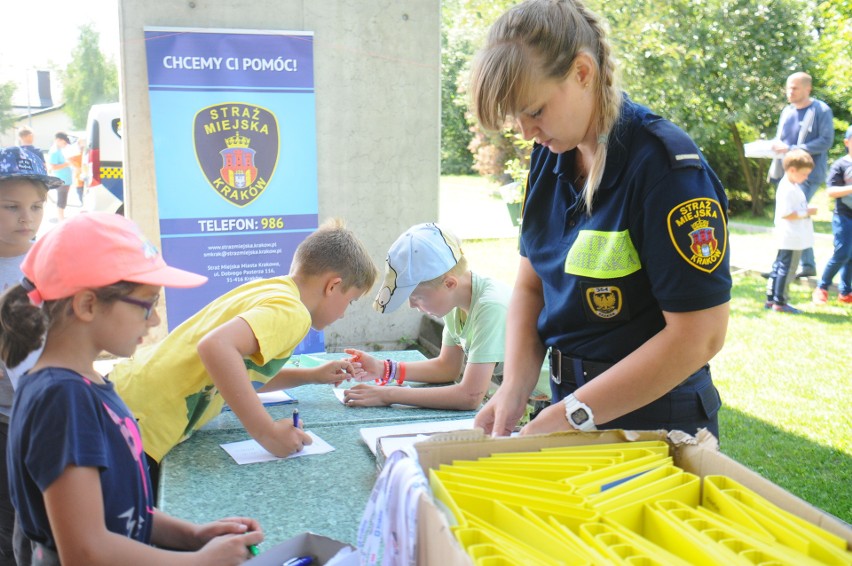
[325, 494]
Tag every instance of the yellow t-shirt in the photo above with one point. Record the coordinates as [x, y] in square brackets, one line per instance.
[168, 388]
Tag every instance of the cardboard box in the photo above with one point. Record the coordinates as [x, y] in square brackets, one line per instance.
[698, 455]
[321, 548]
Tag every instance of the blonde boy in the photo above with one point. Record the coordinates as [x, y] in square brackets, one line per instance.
[177, 385]
[426, 266]
[794, 229]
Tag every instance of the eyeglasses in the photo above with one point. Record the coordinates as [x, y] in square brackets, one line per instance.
[148, 306]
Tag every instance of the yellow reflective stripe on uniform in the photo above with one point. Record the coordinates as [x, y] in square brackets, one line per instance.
[602, 255]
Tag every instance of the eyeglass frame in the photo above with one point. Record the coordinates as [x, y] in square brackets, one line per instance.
[147, 305]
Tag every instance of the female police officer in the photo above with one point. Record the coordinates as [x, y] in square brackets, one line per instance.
[624, 264]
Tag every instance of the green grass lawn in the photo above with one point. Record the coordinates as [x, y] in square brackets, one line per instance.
[785, 382]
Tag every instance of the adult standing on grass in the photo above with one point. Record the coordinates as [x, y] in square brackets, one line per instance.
[840, 189]
[806, 123]
[623, 273]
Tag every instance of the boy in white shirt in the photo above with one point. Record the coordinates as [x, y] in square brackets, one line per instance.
[794, 229]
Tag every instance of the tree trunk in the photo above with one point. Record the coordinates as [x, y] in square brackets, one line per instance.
[754, 185]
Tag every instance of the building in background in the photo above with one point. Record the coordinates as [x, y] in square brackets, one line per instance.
[35, 106]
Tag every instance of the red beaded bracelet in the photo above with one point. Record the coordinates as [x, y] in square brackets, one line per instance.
[386, 376]
[400, 373]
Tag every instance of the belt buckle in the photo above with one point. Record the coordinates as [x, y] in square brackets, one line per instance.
[556, 367]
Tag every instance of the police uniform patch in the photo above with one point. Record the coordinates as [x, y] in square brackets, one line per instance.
[699, 233]
[236, 145]
[603, 303]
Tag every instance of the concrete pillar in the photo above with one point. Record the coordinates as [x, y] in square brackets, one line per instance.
[377, 80]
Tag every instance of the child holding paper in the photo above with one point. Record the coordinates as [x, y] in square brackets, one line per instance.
[426, 266]
[177, 385]
[77, 475]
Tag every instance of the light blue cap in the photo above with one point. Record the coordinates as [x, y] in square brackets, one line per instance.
[424, 252]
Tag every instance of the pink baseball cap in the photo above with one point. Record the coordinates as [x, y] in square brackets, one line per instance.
[93, 250]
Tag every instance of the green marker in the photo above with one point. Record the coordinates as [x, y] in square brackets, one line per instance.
[253, 549]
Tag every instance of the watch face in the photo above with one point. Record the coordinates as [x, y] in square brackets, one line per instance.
[579, 416]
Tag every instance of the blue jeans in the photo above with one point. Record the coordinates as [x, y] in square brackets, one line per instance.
[807, 260]
[778, 284]
[841, 260]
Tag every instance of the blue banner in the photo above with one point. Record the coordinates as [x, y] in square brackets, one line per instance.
[233, 123]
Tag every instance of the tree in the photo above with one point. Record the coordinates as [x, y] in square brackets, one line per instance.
[464, 24]
[7, 120]
[455, 133]
[834, 57]
[716, 68]
[89, 79]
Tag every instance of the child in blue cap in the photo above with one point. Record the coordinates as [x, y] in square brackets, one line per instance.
[23, 187]
[426, 267]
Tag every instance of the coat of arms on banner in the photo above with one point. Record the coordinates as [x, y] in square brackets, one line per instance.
[236, 145]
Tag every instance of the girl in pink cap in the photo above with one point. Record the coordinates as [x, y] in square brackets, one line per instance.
[77, 473]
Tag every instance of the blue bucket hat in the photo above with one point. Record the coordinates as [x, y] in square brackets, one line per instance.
[18, 162]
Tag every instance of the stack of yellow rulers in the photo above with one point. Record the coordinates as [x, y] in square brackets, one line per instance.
[618, 504]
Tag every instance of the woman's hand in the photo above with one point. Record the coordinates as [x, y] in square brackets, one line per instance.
[550, 419]
[365, 396]
[502, 412]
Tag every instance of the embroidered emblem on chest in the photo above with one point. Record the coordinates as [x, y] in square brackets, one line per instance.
[604, 302]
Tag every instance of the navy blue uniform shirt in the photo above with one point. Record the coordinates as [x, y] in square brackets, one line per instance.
[656, 239]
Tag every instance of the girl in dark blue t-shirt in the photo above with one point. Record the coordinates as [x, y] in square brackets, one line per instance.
[77, 472]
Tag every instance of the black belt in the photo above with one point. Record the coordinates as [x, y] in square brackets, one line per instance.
[574, 371]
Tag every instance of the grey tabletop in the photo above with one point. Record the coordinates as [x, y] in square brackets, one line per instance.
[325, 494]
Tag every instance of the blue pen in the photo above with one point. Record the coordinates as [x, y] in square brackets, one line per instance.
[296, 424]
[299, 561]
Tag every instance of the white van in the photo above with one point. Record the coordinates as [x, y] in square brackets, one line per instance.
[104, 160]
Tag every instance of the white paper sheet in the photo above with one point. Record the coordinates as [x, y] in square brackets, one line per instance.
[371, 434]
[250, 452]
[275, 397]
[761, 149]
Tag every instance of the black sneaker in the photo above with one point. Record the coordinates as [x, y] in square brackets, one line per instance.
[806, 273]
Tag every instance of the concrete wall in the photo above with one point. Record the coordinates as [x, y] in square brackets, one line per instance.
[377, 79]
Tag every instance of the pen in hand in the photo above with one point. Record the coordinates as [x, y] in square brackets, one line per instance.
[296, 418]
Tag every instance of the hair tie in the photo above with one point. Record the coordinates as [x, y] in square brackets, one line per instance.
[602, 139]
[35, 297]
